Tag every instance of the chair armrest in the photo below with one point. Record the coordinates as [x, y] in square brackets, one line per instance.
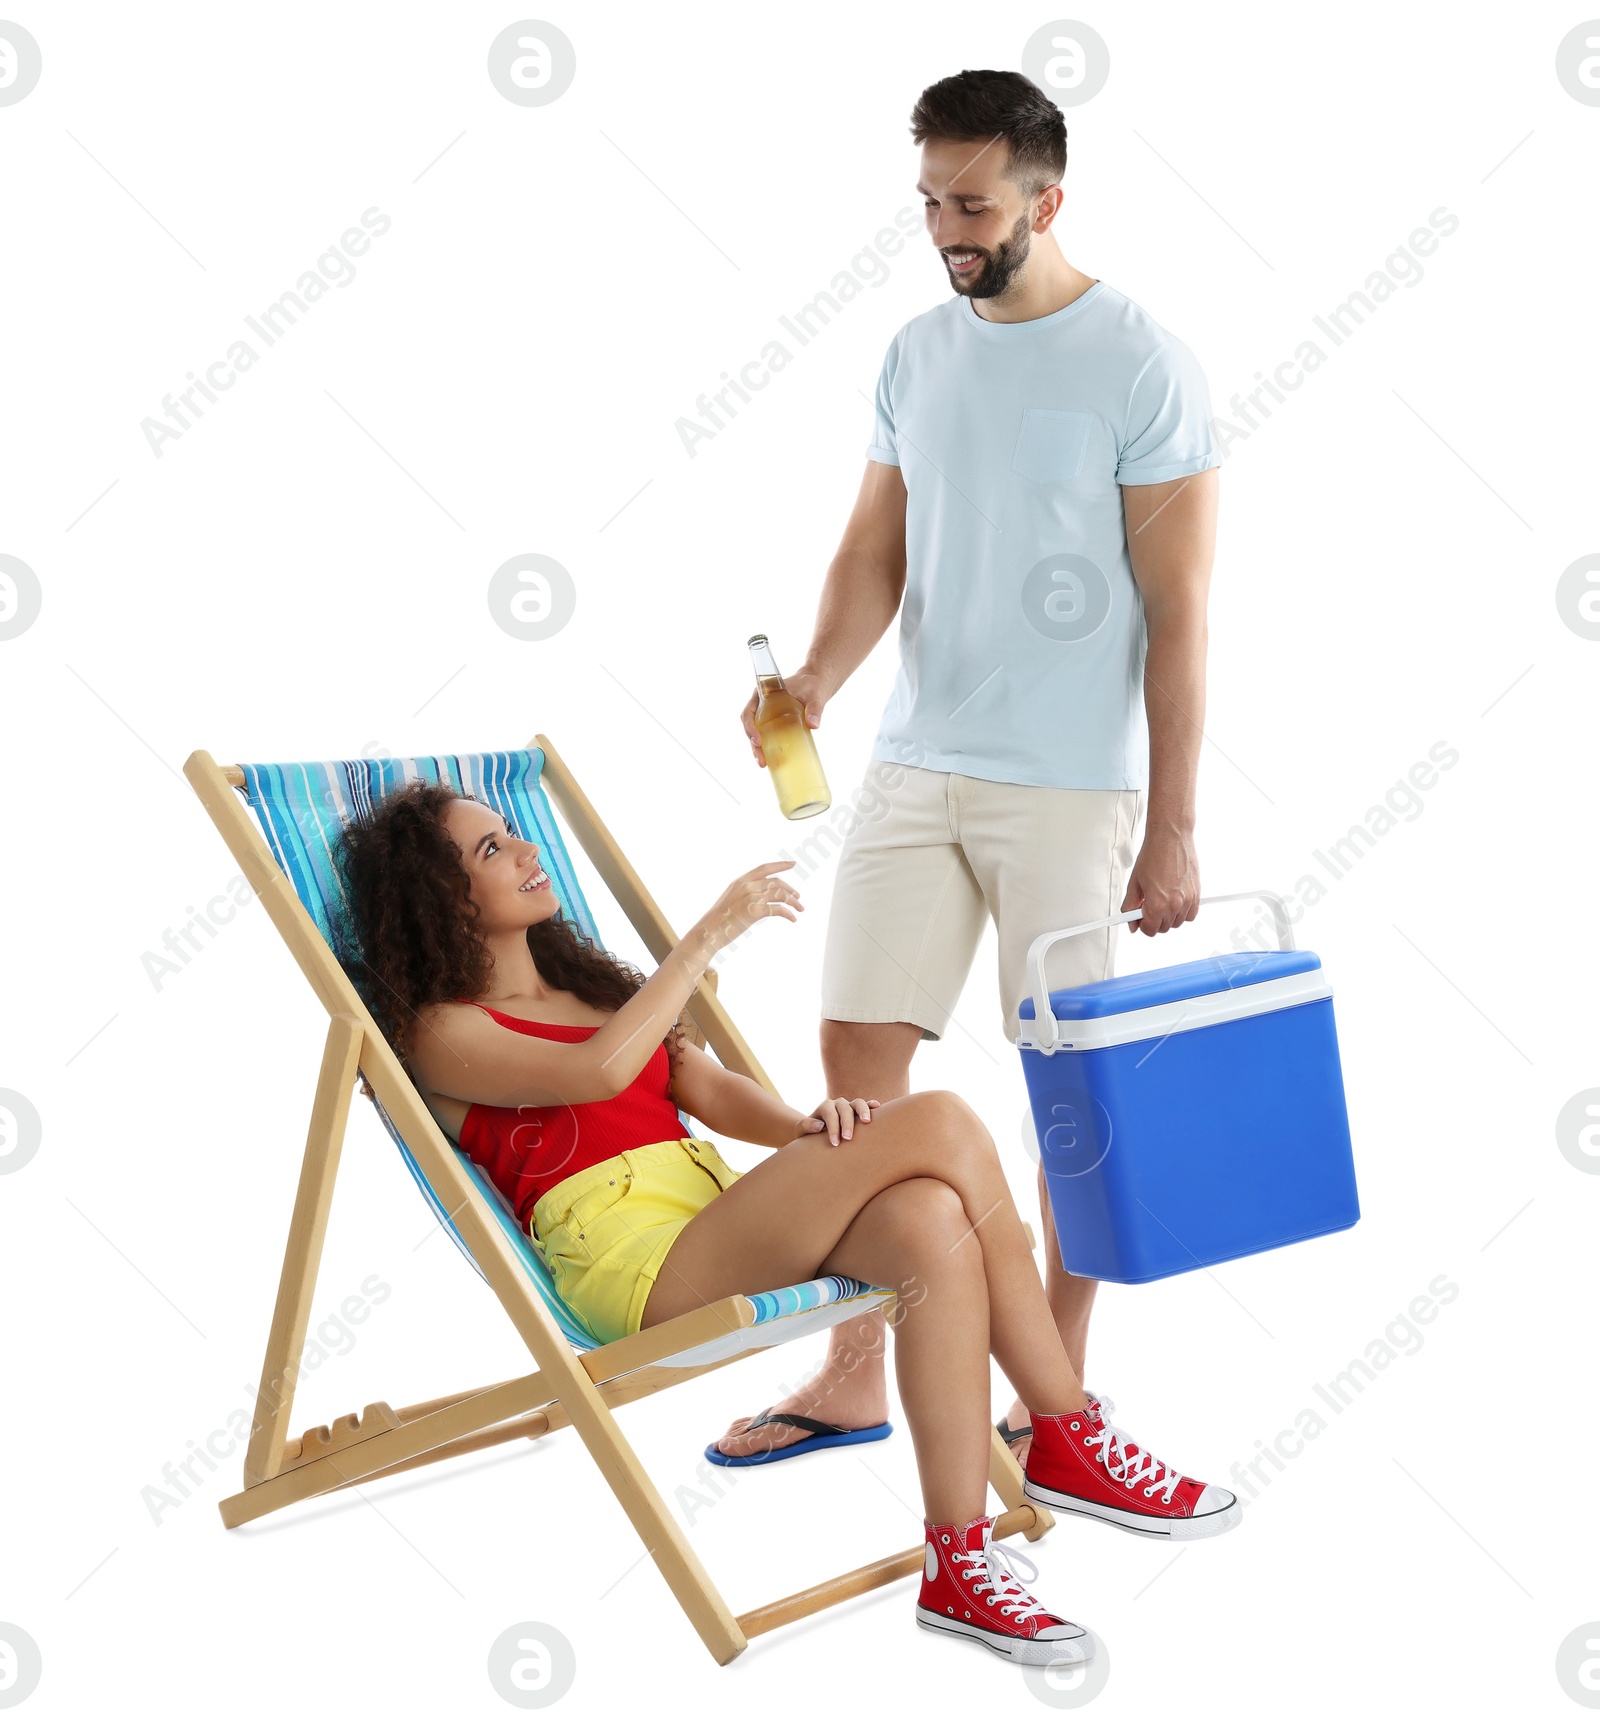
[650, 1345]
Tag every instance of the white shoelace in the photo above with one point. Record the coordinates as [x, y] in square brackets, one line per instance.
[1007, 1595]
[1132, 1464]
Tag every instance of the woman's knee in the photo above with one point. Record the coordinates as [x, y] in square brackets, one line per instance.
[947, 1117]
[923, 1218]
[915, 1237]
[938, 1107]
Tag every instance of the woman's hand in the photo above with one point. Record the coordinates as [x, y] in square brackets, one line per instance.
[838, 1117]
[758, 894]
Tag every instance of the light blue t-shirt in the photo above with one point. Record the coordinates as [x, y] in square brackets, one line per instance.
[1022, 630]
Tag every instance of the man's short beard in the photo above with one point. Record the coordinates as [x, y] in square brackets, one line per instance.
[1000, 267]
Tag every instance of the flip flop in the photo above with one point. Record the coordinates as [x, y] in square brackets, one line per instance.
[1009, 1435]
[822, 1436]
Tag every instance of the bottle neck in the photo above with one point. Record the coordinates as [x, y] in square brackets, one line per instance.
[768, 678]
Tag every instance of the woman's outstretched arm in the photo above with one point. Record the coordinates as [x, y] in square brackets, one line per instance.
[459, 1053]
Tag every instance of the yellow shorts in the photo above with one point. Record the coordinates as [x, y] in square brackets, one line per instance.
[604, 1232]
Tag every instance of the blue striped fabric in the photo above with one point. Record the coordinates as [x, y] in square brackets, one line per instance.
[813, 1294]
[303, 809]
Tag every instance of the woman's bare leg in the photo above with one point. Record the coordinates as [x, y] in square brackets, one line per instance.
[918, 1233]
[1071, 1298]
[860, 1060]
[793, 1217]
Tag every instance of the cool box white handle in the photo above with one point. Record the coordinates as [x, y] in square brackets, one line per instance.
[1045, 1029]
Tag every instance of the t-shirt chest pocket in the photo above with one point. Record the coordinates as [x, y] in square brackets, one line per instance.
[1051, 444]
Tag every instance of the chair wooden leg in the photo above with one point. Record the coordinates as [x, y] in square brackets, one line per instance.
[568, 1381]
[358, 1459]
[661, 1535]
[330, 1112]
[1006, 1477]
[867, 1579]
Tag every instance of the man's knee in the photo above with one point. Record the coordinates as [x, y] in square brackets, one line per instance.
[869, 1035]
[870, 1058]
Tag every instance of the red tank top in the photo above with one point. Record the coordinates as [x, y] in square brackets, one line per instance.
[529, 1149]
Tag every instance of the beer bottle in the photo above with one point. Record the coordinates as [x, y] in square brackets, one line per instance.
[786, 740]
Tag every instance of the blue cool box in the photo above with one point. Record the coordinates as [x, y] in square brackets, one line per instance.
[1191, 1114]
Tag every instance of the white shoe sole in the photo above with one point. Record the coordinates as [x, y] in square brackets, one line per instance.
[1076, 1649]
[1211, 1525]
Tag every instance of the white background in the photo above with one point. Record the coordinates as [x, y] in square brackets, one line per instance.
[304, 574]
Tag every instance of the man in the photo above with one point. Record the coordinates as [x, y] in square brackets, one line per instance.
[1039, 507]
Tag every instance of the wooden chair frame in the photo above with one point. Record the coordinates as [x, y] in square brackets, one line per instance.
[567, 1387]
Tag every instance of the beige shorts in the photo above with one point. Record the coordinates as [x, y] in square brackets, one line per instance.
[933, 853]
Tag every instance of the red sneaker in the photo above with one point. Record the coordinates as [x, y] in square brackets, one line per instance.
[967, 1589]
[1081, 1464]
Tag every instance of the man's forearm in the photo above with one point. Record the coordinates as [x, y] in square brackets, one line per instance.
[1172, 531]
[860, 597]
[861, 592]
[1175, 706]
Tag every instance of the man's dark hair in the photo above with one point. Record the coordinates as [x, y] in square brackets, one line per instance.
[983, 105]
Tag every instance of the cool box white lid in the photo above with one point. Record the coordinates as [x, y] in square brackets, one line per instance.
[1157, 1020]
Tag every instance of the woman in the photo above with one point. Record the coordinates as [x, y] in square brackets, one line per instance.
[561, 1072]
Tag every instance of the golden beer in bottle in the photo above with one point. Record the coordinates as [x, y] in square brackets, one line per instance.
[786, 740]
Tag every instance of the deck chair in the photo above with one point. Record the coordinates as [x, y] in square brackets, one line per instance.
[301, 809]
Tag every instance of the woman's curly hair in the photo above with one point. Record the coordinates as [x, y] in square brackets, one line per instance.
[412, 939]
